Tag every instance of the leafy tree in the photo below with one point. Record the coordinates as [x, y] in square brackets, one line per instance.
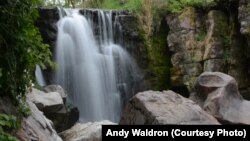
[7, 123]
[21, 46]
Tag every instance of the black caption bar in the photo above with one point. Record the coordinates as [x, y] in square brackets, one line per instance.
[175, 132]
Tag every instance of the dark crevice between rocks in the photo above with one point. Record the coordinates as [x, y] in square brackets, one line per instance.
[182, 89]
[239, 50]
[46, 24]
[160, 62]
[226, 122]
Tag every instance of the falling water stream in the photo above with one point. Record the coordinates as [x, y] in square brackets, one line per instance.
[95, 71]
[39, 76]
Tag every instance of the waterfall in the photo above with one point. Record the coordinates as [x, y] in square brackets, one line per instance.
[97, 73]
[39, 76]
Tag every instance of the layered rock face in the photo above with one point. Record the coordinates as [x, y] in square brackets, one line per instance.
[37, 127]
[209, 41]
[167, 107]
[187, 50]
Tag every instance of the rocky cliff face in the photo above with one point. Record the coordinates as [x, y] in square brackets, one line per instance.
[210, 40]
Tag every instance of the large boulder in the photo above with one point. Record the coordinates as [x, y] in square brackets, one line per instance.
[217, 93]
[53, 103]
[91, 131]
[167, 107]
[36, 127]
[65, 118]
[46, 102]
[56, 88]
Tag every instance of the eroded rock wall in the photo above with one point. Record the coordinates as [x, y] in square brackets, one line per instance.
[210, 40]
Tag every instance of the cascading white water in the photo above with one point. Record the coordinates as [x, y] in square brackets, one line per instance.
[94, 72]
[39, 76]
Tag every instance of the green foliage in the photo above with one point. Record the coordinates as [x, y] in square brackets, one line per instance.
[21, 46]
[130, 5]
[23, 107]
[21, 49]
[7, 137]
[200, 36]
[176, 6]
[92, 4]
[110, 4]
[160, 59]
[227, 41]
[161, 6]
[7, 124]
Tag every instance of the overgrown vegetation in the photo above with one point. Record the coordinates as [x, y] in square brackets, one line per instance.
[21, 49]
[160, 60]
[21, 46]
[7, 124]
[175, 6]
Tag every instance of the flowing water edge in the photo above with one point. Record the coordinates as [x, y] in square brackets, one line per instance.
[94, 69]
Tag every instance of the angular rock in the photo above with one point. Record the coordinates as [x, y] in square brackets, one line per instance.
[56, 88]
[90, 131]
[167, 107]
[47, 102]
[36, 127]
[51, 104]
[217, 93]
[65, 118]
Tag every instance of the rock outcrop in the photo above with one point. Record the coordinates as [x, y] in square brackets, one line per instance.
[185, 41]
[53, 104]
[91, 131]
[218, 94]
[36, 127]
[56, 88]
[65, 118]
[167, 107]
[47, 25]
[210, 40]
[46, 102]
[244, 16]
